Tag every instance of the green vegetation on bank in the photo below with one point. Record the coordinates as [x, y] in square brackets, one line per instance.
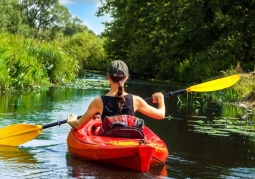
[181, 40]
[41, 43]
[243, 90]
[29, 63]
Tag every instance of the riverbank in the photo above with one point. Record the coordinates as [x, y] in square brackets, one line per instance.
[246, 87]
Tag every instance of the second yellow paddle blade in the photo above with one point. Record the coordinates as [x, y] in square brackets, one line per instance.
[215, 85]
[17, 134]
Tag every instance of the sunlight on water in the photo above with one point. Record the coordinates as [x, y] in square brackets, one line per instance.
[240, 173]
[184, 167]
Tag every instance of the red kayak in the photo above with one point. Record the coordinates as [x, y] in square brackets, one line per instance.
[138, 152]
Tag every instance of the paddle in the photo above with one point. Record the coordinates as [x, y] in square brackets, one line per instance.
[17, 134]
[213, 85]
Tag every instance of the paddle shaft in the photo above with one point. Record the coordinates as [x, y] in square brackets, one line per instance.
[170, 94]
[58, 123]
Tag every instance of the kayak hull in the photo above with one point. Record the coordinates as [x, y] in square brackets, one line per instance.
[135, 154]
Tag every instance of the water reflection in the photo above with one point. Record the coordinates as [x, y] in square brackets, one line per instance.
[79, 168]
[15, 162]
[192, 154]
[41, 107]
[16, 155]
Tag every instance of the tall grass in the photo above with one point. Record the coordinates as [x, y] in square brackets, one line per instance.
[29, 63]
[239, 91]
[59, 66]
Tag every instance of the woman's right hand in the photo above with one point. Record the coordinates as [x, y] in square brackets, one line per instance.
[71, 119]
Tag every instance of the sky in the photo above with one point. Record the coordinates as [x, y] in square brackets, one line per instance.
[85, 10]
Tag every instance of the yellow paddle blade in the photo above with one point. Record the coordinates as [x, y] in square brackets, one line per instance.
[215, 85]
[17, 134]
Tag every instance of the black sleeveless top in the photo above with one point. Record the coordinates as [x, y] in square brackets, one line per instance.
[111, 105]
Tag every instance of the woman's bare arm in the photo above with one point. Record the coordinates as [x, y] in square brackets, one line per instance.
[94, 108]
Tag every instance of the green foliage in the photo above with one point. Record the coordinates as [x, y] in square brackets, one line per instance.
[28, 63]
[200, 38]
[36, 18]
[59, 66]
[14, 67]
[39, 52]
[88, 50]
[75, 26]
[229, 95]
[42, 43]
[10, 19]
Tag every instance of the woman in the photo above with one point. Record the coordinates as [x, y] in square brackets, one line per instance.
[118, 101]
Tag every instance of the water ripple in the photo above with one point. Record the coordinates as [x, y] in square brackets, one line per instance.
[182, 167]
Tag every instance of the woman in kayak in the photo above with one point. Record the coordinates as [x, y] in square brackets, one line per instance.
[117, 101]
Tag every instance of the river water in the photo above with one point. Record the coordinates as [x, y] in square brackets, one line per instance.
[192, 154]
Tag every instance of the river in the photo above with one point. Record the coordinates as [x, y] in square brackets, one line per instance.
[194, 152]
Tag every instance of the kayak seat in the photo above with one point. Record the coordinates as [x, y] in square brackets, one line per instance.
[125, 132]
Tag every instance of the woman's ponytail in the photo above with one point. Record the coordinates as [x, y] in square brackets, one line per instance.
[121, 97]
[120, 91]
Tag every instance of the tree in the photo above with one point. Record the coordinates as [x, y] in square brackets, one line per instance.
[10, 16]
[38, 14]
[174, 39]
[88, 49]
[47, 19]
[74, 26]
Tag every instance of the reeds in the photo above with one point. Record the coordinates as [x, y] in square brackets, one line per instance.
[30, 63]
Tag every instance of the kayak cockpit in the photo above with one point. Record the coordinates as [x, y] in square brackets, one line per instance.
[125, 132]
[116, 132]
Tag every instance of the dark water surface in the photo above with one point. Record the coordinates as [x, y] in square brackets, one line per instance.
[192, 154]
